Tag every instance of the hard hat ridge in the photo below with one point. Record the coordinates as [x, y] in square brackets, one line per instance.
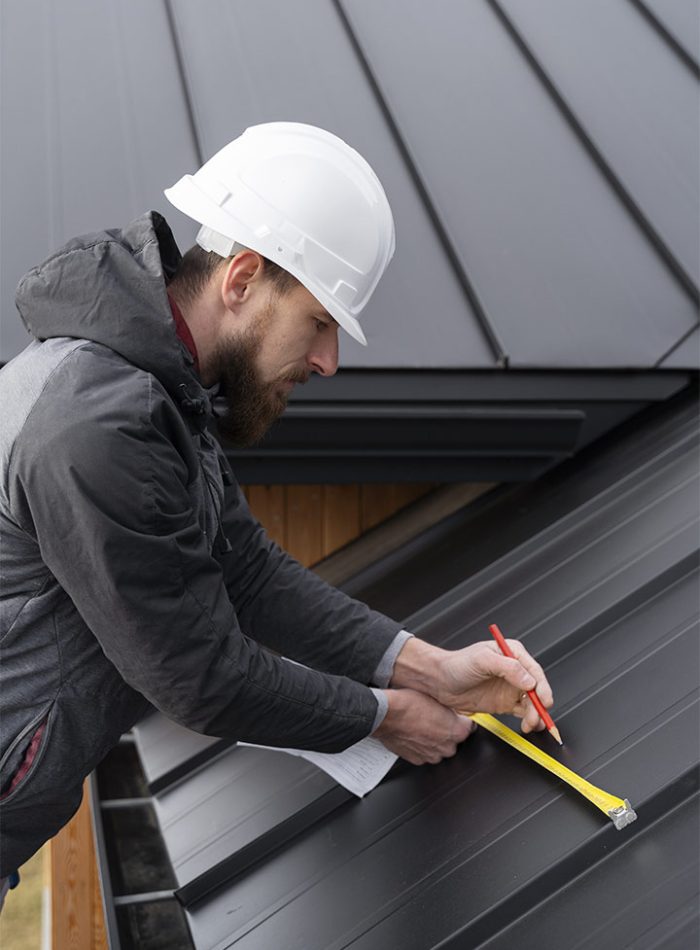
[306, 200]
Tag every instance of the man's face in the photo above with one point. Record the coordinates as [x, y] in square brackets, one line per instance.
[286, 338]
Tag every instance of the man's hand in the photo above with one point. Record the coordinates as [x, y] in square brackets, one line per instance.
[476, 679]
[419, 729]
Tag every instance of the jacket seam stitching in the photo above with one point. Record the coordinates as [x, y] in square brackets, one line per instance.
[61, 671]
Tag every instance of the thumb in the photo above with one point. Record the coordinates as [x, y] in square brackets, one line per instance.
[509, 669]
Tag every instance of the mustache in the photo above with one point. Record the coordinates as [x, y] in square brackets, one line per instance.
[300, 376]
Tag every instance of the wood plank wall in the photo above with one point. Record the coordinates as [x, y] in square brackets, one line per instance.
[312, 521]
[77, 920]
[309, 521]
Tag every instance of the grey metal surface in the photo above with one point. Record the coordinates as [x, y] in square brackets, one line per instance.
[606, 595]
[617, 901]
[244, 795]
[541, 158]
[165, 747]
[518, 191]
[584, 563]
[638, 105]
[685, 353]
[681, 19]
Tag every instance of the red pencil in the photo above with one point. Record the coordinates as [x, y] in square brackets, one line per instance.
[536, 701]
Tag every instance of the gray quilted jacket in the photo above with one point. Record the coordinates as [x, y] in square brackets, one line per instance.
[118, 591]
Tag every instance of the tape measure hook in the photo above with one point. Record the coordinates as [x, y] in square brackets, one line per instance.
[623, 815]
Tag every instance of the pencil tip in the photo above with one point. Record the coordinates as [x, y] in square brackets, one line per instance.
[555, 732]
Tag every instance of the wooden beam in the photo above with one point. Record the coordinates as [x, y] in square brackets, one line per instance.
[312, 521]
[77, 921]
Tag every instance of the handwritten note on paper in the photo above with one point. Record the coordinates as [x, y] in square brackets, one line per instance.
[360, 768]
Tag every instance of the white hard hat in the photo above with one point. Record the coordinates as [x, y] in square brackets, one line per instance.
[303, 198]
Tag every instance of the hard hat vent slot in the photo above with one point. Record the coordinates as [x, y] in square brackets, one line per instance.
[219, 193]
[344, 293]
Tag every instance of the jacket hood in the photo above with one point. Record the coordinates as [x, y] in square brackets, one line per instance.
[110, 287]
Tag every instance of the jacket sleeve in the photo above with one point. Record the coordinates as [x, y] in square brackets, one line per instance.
[99, 480]
[292, 610]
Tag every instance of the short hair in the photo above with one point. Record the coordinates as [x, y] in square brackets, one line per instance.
[198, 266]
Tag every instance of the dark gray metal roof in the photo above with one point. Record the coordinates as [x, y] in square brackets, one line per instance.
[209, 840]
[167, 749]
[541, 158]
[596, 569]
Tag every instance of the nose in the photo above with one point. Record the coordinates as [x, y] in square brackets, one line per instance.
[323, 357]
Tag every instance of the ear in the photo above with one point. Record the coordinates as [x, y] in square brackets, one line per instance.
[242, 277]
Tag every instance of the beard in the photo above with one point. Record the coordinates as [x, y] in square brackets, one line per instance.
[252, 406]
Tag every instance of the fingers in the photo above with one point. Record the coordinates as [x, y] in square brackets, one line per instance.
[524, 673]
[421, 730]
[544, 690]
[523, 708]
[530, 718]
[512, 670]
[461, 727]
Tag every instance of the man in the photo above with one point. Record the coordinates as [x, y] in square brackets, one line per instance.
[133, 574]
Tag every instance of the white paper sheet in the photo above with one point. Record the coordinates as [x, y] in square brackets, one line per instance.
[360, 768]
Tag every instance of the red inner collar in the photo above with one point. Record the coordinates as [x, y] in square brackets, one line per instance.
[183, 331]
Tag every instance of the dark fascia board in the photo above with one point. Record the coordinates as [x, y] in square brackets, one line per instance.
[296, 469]
[445, 426]
[426, 386]
[432, 443]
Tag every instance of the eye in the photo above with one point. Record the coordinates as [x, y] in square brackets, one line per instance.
[320, 324]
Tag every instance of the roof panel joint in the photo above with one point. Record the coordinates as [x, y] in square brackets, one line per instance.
[681, 52]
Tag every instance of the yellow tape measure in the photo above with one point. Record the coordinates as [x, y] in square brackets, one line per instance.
[617, 809]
